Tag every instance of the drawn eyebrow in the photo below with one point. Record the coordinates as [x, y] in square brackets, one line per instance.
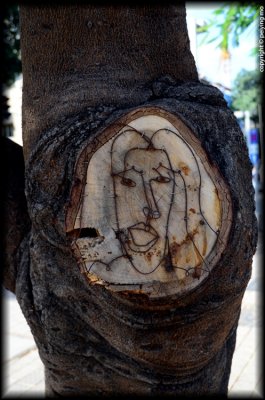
[124, 171]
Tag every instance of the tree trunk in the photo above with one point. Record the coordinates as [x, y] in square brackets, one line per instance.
[96, 56]
[118, 303]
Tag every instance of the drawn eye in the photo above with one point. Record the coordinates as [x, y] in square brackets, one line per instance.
[128, 182]
[162, 179]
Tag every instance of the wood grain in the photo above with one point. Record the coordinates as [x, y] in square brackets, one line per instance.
[149, 212]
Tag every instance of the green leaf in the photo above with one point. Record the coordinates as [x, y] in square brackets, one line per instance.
[231, 21]
[247, 91]
[219, 11]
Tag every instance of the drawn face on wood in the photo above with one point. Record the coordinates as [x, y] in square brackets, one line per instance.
[152, 210]
[145, 185]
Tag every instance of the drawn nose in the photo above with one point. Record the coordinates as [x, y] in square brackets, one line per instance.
[150, 210]
[150, 213]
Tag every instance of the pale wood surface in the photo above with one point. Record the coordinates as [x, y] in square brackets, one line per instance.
[152, 215]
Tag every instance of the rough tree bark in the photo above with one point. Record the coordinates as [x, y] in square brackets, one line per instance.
[84, 69]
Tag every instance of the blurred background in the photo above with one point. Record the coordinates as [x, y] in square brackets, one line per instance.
[224, 40]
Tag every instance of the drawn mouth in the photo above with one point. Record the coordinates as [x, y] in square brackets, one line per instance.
[143, 235]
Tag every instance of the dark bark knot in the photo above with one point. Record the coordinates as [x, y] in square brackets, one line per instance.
[198, 105]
